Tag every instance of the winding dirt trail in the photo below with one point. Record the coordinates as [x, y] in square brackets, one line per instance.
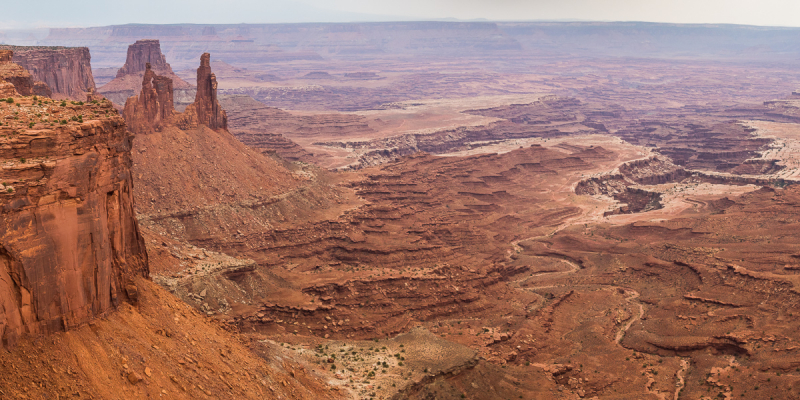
[680, 378]
[633, 295]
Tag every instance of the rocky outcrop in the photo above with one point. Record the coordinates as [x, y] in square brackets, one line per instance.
[67, 71]
[17, 80]
[142, 55]
[206, 109]
[129, 78]
[153, 108]
[70, 247]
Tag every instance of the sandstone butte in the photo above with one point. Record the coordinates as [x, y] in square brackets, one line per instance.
[71, 248]
[66, 70]
[128, 81]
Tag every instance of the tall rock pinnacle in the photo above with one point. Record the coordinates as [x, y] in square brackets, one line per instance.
[206, 109]
[153, 108]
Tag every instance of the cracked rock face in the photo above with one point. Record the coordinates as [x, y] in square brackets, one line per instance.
[15, 80]
[69, 243]
[67, 71]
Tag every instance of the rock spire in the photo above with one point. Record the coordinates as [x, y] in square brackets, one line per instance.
[153, 108]
[206, 109]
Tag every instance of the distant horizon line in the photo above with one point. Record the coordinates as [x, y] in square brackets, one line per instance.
[450, 20]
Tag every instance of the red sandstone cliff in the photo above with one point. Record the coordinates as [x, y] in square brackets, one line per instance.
[206, 109]
[128, 81]
[153, 108]
[66, 70]
[15, 80]
[69, 243]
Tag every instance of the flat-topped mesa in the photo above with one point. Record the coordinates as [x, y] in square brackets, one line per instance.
[16, 81]
[206, 109]
[66, 70]
[142, 53]
[70, 247]
[153, 108]
[128, 81]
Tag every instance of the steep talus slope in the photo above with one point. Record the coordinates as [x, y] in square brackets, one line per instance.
[224, 171]
[160, 348]
[70, 244]
[66, 70]
[231, 189]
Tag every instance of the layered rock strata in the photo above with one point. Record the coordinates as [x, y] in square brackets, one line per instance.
[67, 71]
[70, 247]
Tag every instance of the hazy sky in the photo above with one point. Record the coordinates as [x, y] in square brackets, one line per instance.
[27, 14]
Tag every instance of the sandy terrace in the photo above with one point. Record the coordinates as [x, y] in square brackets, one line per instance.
[785, 148]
